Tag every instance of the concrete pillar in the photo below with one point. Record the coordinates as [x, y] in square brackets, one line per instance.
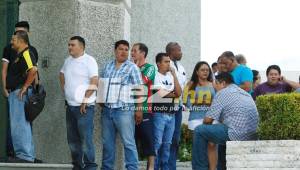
[158, 22]
[53, 22]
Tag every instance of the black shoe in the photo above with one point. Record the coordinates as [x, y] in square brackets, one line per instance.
[3, 159]
[18, 160]
[38, 161]
[11, 154]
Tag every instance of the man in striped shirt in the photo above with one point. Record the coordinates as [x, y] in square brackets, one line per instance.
[120, 76]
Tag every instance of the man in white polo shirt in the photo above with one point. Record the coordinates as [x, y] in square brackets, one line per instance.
[78, 79]
[173, 50]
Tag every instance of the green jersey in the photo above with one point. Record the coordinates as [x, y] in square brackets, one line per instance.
[148, 75]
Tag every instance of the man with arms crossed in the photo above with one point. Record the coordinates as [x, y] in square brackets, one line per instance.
[164, 109]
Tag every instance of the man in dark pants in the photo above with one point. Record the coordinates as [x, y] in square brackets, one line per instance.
[144, 130]
[173, 49]
[80, 71]
[9, 55]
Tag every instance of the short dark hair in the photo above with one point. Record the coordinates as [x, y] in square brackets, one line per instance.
[214, 64]
[22, 35]
[159, 57]
[170, 46]
[23, 24]
[228, 55]
[80, 39]
[124, 42]
[273, 67]
[255, 74]
[143, 48]
[226, 77]
[219, 58]
[240, 58]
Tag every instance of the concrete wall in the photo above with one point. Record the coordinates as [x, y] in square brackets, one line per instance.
[263, 155]
[157, 22]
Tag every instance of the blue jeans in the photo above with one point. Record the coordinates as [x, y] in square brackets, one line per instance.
[163, 128]
[117, 120]
[217, 133]
[80, 137]
[175, 140]
[21, 133]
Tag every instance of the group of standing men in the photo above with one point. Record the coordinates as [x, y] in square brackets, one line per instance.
[79, 77]
[158, 130]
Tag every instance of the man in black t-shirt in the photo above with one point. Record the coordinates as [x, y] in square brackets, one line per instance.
[9, 54]
[21, 73]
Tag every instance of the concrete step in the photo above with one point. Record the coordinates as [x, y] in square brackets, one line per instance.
[44, 166]
[29, 166]
[179, 165]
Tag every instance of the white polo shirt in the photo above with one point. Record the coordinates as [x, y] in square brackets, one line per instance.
[181, 76]
[78, 73]
[180, 73]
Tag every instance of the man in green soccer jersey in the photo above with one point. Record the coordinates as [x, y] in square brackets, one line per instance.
[144, 130]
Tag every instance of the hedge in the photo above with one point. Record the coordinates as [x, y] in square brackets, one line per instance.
[279, 116]
[186, 140]
[279, 119]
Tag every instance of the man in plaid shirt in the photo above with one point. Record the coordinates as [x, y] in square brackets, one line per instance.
[120, 75]
[236, 111]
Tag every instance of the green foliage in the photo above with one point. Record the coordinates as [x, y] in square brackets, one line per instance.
[279, 116]
[186, 140]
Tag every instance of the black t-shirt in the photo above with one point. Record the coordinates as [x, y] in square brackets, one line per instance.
[17, 71]
[10, 54]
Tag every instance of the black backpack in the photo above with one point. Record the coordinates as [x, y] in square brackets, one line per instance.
[35, 103]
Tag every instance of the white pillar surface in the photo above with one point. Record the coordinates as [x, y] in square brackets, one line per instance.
[52, 23]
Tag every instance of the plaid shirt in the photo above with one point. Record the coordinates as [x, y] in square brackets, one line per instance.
[236, 109]
[119, 82]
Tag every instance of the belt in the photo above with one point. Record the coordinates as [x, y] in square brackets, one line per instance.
[16, 88]
[165, 113]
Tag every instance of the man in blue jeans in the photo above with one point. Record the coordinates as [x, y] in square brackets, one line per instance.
[78, 80]
[120, 76]
[20, 75]
[9, 55]
[235, 109]
[168, 87]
